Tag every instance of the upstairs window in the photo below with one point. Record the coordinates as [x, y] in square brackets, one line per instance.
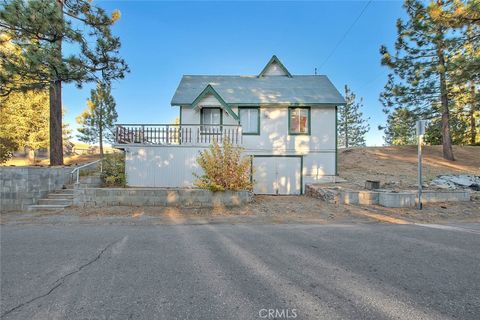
[299, 121]
[211, 116]
[250, 120]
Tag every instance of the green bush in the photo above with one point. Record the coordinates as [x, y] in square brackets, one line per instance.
[224, 169]
[113, 174]
[7, 146]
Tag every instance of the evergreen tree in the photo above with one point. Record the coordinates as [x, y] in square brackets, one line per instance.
[24, 120]
[98, 119]
[40, 28]
[352, 126]
[421, 67]
[400, 128]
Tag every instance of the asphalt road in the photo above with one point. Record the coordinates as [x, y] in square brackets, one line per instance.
[350, 271]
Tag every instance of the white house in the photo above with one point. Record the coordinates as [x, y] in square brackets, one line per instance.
[285, 122]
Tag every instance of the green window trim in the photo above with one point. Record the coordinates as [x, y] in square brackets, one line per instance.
[309, 121]
[272, 60]
[258, 119]
[210, 90]
[202, 130]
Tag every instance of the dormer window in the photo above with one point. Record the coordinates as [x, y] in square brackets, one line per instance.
[211, 116]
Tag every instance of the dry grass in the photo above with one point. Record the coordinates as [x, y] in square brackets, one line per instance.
[397, 166]
[70, 160]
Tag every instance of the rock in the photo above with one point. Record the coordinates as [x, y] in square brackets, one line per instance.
[463, 181]
[475, 186]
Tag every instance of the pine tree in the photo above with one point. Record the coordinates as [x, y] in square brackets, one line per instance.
[421, 67]
[400, 128]
[98, 119]
[40, 28]
[466, 80]
[352, 126]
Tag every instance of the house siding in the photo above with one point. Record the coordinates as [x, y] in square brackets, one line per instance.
[173, 166]
[192, 116]
[274, 69]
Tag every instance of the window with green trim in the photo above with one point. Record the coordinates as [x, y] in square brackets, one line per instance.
[250, 120]
[299, 121]
[211, 116]
[211, 120]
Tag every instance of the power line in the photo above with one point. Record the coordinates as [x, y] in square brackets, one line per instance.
[345, 34]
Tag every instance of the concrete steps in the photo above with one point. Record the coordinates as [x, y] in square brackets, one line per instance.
[60, 196]
[63, 191]
[56, 200]
[62, 201]
[47, 207]
[63, 198]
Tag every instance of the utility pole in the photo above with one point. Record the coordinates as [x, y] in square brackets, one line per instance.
[420, 133]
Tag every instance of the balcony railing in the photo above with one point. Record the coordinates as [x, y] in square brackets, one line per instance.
[173, 134]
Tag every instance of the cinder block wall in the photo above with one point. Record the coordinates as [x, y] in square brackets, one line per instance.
[23, 186]
[173, 197]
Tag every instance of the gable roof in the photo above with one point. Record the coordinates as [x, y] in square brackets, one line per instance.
[210, 90]
[254, 90]
[272, 61]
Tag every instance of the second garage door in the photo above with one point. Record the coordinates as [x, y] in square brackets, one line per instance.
[277, 175]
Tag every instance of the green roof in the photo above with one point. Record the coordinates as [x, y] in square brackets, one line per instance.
[234, 90]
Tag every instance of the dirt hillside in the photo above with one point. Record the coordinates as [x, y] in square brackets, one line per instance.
[397, 166]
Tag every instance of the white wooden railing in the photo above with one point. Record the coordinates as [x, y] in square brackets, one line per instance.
[173, 134]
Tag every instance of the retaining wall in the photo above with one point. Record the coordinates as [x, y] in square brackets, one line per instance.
[384, 198]
[186, 198]
[23, 186]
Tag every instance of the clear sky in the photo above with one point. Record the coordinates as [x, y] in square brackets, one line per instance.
[161, 41]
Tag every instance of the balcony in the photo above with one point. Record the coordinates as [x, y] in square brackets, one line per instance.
[173, 134]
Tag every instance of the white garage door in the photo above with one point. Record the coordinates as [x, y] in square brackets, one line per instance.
[277, 175]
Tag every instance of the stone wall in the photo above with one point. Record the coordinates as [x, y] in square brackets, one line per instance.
[175, 197]
[23, 186]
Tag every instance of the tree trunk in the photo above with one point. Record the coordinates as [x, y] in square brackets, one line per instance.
[56, 128]
[31, 156]
[446, 138]
[100, 136]
[473, 124]
[346, 133]
[56, 139]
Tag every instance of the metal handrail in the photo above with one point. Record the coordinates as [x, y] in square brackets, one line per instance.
[77, 169]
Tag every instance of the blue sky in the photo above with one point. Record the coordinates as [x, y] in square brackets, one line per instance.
[161, 41]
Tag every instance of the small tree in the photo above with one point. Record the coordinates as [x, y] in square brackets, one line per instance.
[400, 128]
[352, 127]
[224, 168]
[98, 119]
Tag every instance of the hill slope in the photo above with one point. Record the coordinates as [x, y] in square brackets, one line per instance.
[396, 166]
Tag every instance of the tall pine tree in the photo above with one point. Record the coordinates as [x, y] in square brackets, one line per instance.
[98, 119]
[420, 68]
[352, 126]
[41, 28]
